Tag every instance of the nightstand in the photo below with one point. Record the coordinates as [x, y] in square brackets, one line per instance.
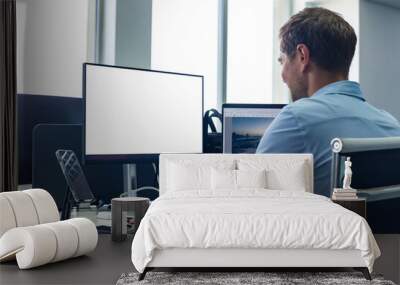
[358, 206]
[120, 208]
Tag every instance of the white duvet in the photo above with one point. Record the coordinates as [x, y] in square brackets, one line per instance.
[250, 219]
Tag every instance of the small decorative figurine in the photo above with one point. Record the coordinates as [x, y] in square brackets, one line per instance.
[347, 174]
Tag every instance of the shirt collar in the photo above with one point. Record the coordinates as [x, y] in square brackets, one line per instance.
[344, 87]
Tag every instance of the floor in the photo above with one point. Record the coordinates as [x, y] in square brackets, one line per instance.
[103, 266]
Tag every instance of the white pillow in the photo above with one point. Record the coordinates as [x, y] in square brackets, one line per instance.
[251, 178]
[292, 178]
[186, 175]
[223, 179]
[236, 179]
[282, 174]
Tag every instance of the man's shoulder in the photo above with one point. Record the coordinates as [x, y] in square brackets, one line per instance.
[307, 112]
[304, 106]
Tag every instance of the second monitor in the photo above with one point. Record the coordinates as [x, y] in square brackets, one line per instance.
[245, 124]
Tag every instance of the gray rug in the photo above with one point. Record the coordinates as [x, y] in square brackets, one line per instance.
[269, 278]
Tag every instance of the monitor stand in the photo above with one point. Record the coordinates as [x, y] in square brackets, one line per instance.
[130, 176]
[131, 182]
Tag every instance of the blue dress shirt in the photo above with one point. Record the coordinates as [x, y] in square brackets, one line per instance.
[309, 124]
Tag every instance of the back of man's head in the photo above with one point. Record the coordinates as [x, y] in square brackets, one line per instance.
[330, 39]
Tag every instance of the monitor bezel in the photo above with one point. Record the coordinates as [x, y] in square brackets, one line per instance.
[241, 106]
[127, 158]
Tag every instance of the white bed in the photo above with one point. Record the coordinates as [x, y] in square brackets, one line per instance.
[247, 211]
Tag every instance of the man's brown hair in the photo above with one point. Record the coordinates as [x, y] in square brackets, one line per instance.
[330, 39]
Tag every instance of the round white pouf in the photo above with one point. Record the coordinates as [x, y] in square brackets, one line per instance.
[23, 208]
[7, 218]
[52, 242]
[45, 206]
[67, 240]
[87, 235]
[33, 246]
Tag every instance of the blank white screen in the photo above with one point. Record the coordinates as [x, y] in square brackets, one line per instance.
[141, 112]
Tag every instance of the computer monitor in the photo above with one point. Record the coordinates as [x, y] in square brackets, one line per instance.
[133, 115]
[245, 124]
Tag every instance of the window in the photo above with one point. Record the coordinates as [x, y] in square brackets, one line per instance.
[249, 51]
[185, 39]
[232, 43]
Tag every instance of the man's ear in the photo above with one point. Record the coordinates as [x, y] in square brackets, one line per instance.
[303, 56]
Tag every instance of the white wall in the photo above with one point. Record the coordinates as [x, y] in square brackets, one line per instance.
[54, 38]
[380, 58]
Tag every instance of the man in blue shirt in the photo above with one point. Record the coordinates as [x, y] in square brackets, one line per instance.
[317, 47]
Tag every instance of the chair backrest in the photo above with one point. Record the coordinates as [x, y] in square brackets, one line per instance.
[375, 168]
[74, 176]
[294, 171]
[26, 208]
[105, 180]
[375, 161]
